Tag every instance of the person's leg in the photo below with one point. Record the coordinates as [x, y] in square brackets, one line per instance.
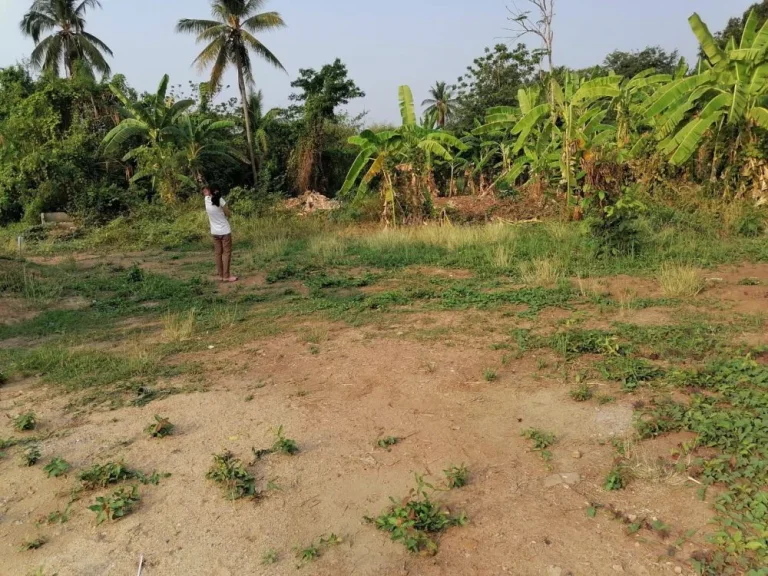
[226, 242]
[218, 250]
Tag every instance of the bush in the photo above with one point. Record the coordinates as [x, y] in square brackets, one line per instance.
[246, 201]
[615, 226]
[750, 225]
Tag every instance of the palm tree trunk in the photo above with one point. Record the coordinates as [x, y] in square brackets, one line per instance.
[248, 133]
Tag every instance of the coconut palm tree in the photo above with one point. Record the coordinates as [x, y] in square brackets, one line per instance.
[440, 105]
[229, 39]
[69, 43]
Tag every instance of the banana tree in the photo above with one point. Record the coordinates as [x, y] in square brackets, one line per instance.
[626, 107]
[402, 159]
[731, 89]
[149, 125]
[579, 110]
[150, 120]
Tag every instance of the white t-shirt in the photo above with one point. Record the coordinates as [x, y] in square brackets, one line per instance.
[219, 223]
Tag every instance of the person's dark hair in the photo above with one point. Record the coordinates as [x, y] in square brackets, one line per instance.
[216, 198]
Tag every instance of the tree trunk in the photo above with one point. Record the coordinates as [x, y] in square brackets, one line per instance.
[247, 118]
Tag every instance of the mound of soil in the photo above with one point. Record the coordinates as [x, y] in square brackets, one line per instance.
[489, 208]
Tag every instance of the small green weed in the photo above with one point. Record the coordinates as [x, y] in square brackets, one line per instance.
[230, 472]
[631, 372]
[605, 399]
[388, 441]
[31, 455]
[571, 343]
[33, 544]
[121, 503]
[541, 441]
[457, 476]
[616, 479]
[582, 393]
[160, 428]
[25, 422]
[490, 375]
[284, 445]
[308, 554]
[102, 475]
[57, 517]
[270, 556]
[416, 520]
[57, 467]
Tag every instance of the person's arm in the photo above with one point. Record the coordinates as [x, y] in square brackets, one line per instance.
[225, 208]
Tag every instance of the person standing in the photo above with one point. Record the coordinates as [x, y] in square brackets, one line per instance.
[221, 231]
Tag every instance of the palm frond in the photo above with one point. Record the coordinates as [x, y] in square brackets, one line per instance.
[187, 25]
[264, 22]
[254, 44]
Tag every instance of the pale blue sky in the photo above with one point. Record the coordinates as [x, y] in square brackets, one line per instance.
[384, 44]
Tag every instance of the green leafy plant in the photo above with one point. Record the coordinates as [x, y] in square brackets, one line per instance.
[57, 517]
[630, 371]
[308, 554]
[57, 467]
[31, 455]
[160, 428]
[457, 476]
[121, 503]
[388, 441]
[616, 479]
[230, 472]
[582, 393]
[490, 375]
[541, 441]
[284, 445]
[102, 475]
[417, 520]
[749, 282]
[25, 422]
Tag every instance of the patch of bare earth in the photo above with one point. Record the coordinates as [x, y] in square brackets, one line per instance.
[336, 404]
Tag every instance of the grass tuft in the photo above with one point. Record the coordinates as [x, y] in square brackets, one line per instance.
[680, 281]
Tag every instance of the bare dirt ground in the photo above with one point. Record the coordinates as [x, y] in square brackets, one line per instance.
[527, 517]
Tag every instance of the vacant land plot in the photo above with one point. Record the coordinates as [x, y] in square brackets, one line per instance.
[488, 400]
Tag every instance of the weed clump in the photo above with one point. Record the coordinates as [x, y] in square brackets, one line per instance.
[230, 472]
[679, 281]
[617, 479]
[417, 520]
[160, 428]
[541, 441]
[388, 441]
[121, 503]
[57, 467]
[457, 476]
[31, 455]
[102, 475]
[490, 375]
[25, 422]
[630, 371]
[282, 445]
[582, 393]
